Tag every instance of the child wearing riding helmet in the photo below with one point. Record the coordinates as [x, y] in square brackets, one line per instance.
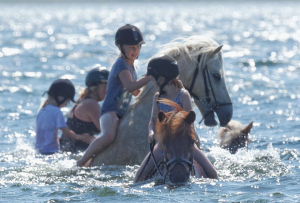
[122, 84]
[50, 119]
[164, 72]
[85, 113]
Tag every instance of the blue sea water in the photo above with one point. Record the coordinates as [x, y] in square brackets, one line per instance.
[40, 42]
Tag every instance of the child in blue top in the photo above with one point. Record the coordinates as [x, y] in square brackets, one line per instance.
[50, 119]
[122, 84]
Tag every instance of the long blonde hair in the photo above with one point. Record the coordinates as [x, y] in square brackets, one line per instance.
[88, 90]
[51, 100]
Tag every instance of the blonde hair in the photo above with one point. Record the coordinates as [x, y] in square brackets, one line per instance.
[88, 90]
[177, 83]
[51, 100]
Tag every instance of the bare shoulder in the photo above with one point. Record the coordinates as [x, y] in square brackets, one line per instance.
[89, 101]
[90, 104]
[185, 95]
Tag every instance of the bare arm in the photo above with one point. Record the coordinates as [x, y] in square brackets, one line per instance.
[93, 110]
[153, 119]
[187, 106]
[186, 101]
[131, 85]
[204, 162]
[70, 134]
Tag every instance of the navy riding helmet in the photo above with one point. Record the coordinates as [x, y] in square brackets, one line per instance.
[98, 75]
[62, 88]
[164, 66]
[129, 35]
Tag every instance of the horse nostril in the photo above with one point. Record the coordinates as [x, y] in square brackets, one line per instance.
[178, 179]
[179, 175]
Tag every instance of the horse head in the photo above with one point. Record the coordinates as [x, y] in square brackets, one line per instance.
[201, 70]
[176, 138]
[234, 136]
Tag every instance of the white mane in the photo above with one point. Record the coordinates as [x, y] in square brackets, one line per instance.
[189, 47]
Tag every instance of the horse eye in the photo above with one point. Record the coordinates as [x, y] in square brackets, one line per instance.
[217, 75]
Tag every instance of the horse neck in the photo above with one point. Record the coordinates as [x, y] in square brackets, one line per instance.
[147, 92]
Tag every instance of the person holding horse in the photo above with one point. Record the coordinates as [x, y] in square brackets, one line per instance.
[164, 72]
[85, 113]
[122, 84]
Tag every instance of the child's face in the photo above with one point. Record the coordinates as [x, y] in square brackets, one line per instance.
[132, 51]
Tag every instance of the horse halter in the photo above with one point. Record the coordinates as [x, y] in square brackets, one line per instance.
[187, 164]
[207, 83]
[169, 165]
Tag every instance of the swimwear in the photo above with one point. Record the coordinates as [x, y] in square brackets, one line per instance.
[166, 108]
[79, 127]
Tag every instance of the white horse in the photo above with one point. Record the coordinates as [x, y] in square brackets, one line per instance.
[234, 136]
[201, 70]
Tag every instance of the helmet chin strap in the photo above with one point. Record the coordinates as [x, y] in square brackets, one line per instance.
[161, 87]
[59, 102]
[123, 52]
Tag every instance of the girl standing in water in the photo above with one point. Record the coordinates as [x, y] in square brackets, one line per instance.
[50, 118]
[164, 72]
[85, 114]
[122, 84]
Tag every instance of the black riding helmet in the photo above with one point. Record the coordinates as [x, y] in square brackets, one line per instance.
[98, 75]
[62, 88]
[129, 35]
[164, 66]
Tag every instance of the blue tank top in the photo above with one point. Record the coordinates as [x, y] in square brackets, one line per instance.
[166, 108]
[117, 98]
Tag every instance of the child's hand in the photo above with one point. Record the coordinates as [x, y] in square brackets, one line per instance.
[136, 93]
[151, 137]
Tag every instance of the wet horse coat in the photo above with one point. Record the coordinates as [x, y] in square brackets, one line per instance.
[176, 137]
[131, 144]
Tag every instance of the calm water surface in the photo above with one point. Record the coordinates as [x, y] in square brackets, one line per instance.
[42, 42]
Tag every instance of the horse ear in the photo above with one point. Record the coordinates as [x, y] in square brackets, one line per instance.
[161, 116]
[190, 118]
[217, 50]
[248, 128]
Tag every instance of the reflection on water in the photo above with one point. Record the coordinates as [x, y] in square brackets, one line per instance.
[42, 42]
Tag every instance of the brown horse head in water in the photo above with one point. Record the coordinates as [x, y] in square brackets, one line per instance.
[176, 137]
[234, 136]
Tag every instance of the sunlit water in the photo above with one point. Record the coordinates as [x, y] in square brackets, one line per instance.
[42, 42]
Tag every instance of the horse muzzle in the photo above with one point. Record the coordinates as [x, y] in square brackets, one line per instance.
[224, 113]
[178, 171]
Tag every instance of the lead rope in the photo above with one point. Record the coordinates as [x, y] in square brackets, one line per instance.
[152, 155]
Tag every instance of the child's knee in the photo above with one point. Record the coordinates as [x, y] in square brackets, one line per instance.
[110, 137]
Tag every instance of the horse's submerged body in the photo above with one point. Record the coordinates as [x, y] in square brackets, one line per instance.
[201, 71]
